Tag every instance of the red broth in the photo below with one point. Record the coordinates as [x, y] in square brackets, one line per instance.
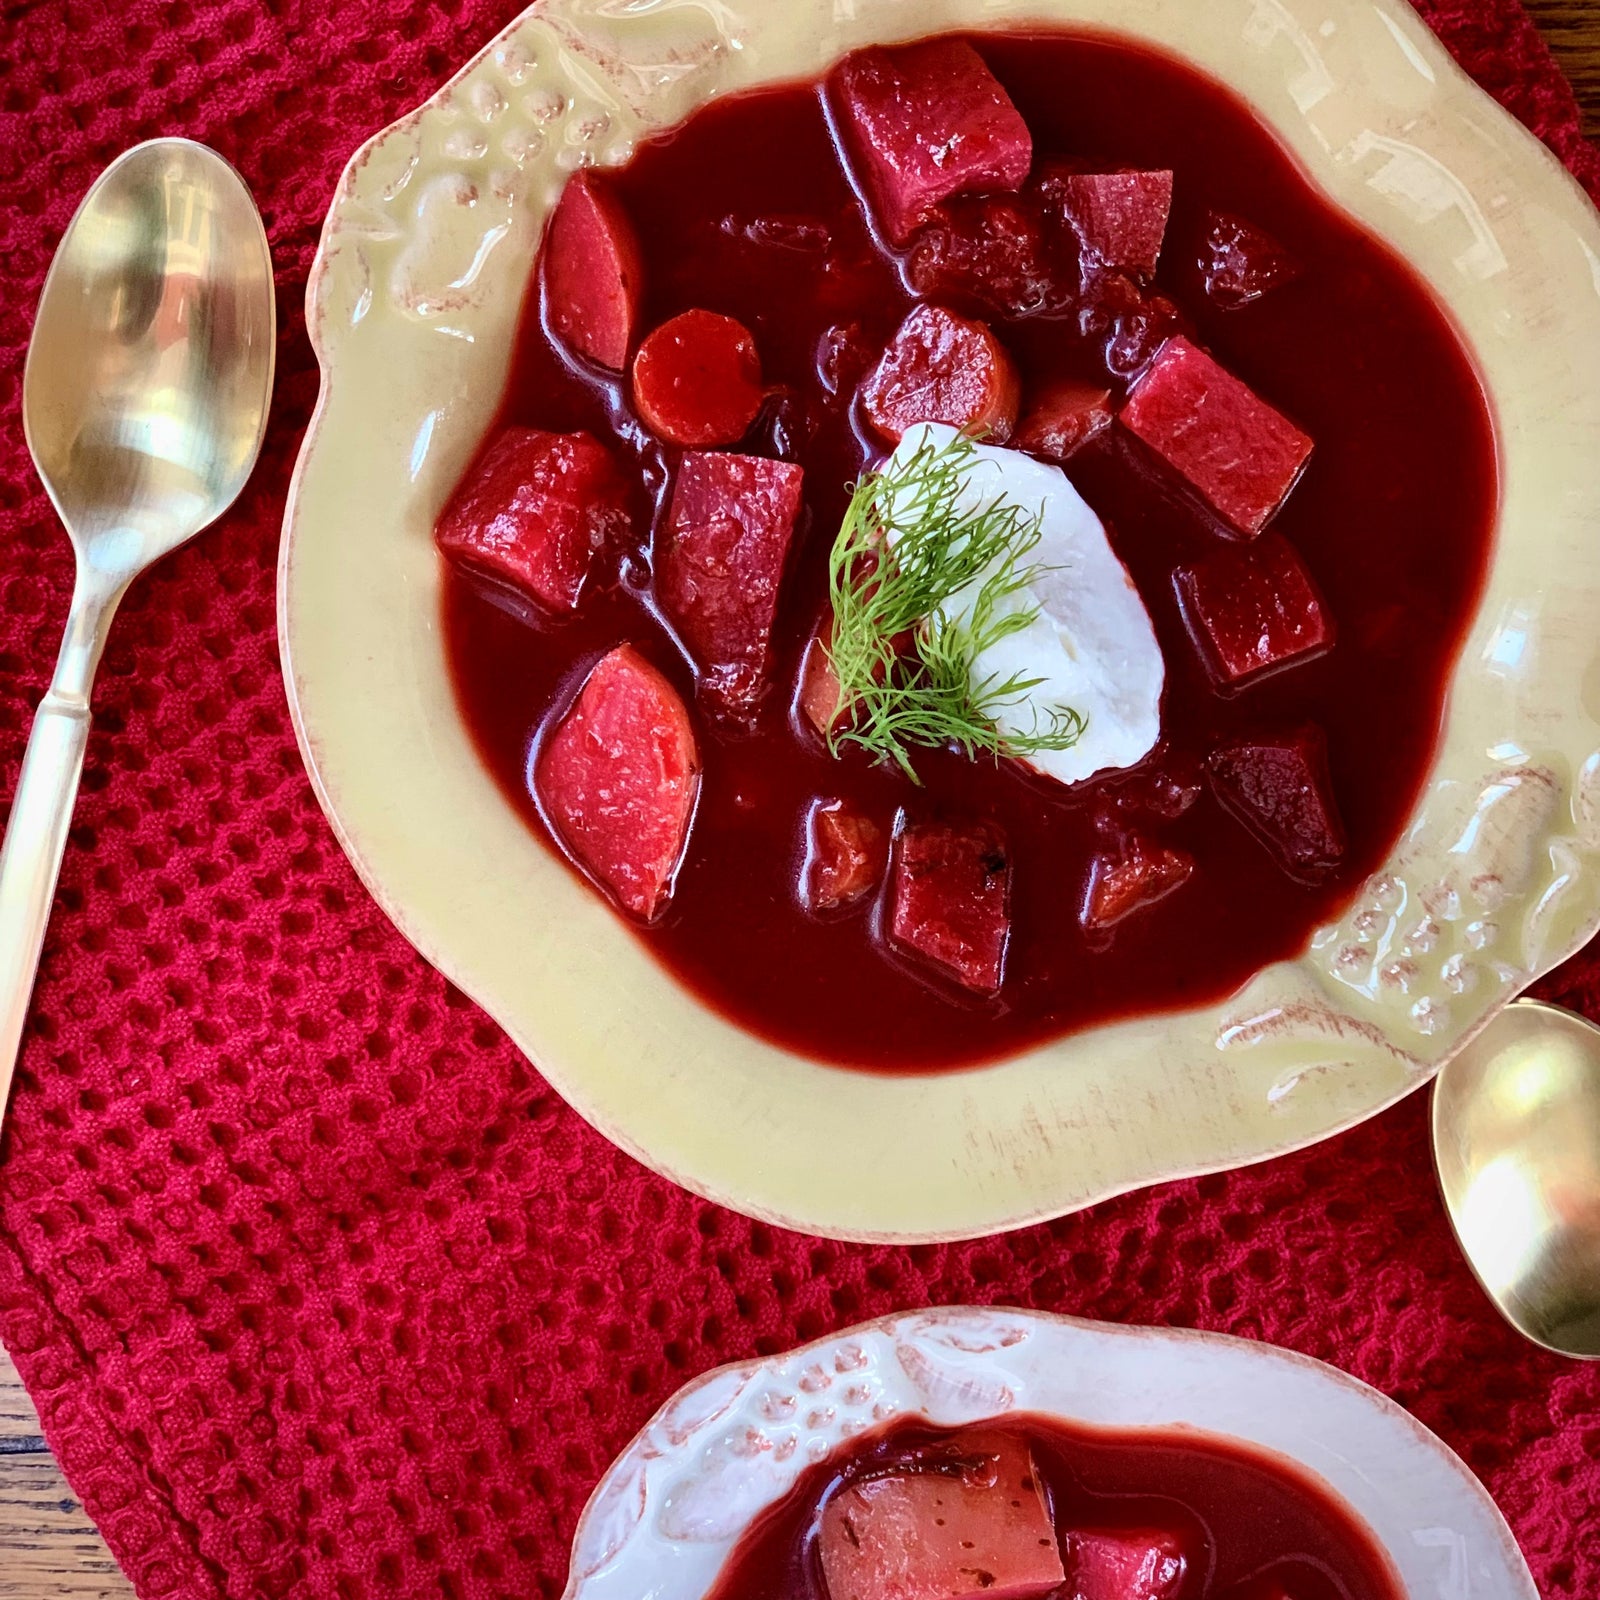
[1250, 1526]
[746, 210]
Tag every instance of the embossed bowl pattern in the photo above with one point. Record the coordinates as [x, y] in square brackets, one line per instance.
[413, 309]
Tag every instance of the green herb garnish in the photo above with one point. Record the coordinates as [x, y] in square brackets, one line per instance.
[906, 550]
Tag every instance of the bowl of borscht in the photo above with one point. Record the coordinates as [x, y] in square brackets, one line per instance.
[948, 609]
[967, 1452]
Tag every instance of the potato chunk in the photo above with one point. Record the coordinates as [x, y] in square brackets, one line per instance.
[979, 1531]
[618, 779]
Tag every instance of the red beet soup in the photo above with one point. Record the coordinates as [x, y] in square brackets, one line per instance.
[1124, 274]
[1030, 1506]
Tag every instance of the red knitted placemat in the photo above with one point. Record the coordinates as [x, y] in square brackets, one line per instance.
[320, 1291]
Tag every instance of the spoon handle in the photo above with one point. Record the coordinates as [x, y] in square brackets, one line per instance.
[41, 813]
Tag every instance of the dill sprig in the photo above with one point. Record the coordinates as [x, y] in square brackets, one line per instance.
[911, 564]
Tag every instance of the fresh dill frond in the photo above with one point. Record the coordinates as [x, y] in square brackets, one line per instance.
[903, 650]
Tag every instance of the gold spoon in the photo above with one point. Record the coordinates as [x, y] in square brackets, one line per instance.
[1516, 1138]
[144, 402]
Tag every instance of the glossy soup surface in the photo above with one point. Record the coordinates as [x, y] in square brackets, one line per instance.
[1249, 1526]
[746, 210]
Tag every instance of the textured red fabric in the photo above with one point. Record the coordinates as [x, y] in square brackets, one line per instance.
[319, 1289]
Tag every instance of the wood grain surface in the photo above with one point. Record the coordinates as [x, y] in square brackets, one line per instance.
[49, 1549]
[1573, 29]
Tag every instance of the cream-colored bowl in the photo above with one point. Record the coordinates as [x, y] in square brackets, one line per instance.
[413, 307]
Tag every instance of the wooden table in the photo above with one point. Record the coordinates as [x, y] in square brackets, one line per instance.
[49, 1549]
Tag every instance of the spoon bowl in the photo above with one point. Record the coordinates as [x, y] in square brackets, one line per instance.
[145, 400]
[150, 368]
[1516, 1138]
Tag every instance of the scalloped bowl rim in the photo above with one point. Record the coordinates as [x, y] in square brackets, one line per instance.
[1331, 1050]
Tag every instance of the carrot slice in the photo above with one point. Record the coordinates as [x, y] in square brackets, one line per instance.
[697, 380]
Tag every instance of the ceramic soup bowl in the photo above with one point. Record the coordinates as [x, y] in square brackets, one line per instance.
[413, 308]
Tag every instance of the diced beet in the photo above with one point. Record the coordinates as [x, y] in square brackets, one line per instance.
[1239, 263]
[535, 511]
[845, 855]
[943, 368]
[719, 563]
[990, 251]
[1241, 455]
[697, 379]
[924, 122]
[1279, 787]
[618, 780]
[1253, 608]
[1120, 218]
[1061, 417]
[1122, 1564]
[950, 904]
[1138, 874]
[593, 273]
[977, 1530]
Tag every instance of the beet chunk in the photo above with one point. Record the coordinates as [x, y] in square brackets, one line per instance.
[1120, 218]
[1061, 418]
[1239, 263]
[924, 122]
[1123, 1564]
[593, 273]
[991, 251]
[618, 780]
[1138, 874]
[943, 368]
[973, 1529]
[535, 511]
[1278, 786]
[719, 563]
[845, 855]
[950, 901]
[1241, 455]
[697, 380]
[1252, 609]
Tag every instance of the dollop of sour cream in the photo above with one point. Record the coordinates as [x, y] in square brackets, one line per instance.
[1090, 643]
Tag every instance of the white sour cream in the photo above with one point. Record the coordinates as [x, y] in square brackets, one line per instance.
[1091, 643]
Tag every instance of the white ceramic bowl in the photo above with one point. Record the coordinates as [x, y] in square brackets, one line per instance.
[665, 1517]
[413, 307]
